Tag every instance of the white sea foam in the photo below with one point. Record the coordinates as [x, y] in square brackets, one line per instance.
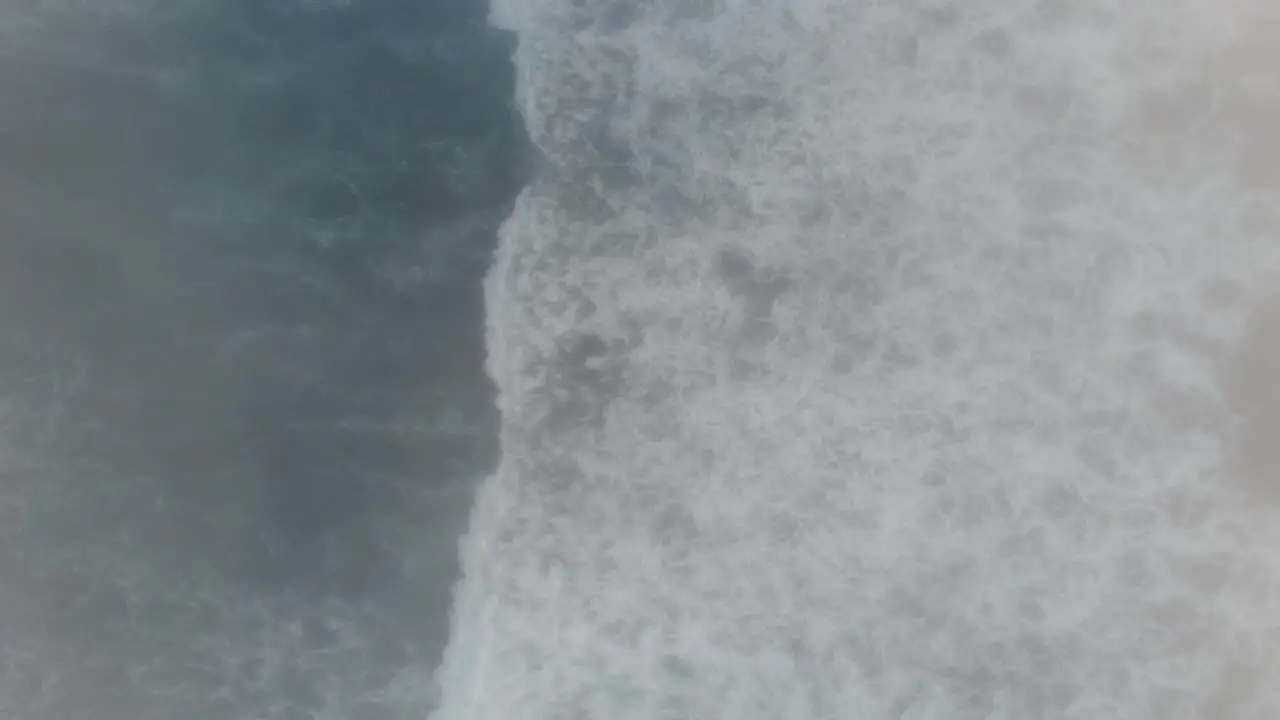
[860, 360]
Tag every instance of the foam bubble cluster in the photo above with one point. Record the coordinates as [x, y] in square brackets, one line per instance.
[864, 360]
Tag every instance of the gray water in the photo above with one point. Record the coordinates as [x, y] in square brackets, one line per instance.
[241, 347]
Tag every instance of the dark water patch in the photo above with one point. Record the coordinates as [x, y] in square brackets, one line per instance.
[242, 244]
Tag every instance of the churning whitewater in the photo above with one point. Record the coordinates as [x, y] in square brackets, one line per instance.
[866, 360]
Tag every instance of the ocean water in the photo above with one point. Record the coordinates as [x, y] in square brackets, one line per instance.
[242, 398]
[883, 360]
[736, 359]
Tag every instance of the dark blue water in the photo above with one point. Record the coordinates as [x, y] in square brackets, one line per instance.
[241, 347]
